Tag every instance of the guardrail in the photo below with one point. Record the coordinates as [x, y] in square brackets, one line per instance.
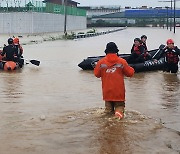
[86, 35]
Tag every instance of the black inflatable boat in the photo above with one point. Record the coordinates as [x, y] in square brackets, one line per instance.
[150, 65]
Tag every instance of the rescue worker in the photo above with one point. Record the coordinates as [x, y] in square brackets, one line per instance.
[112, 69]
[143, 40]
[171, 54]
[18, 46]
[137, 52]
[9, 51]
[19, 51]
[147, 56]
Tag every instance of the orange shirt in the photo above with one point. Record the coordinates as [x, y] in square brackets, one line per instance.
[112, 69]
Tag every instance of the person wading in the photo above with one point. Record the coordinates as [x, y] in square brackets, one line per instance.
[171, 54]
[112, 69]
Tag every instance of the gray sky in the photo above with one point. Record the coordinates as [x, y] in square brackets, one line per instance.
[123, 3]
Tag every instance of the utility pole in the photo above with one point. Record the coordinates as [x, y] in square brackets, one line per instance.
[164, 1]
[174, 13]
[167, 24]
[171, 17]
[65, 17]
[174, 16]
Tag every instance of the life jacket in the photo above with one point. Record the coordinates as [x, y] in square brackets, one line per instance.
[136, 50]
[1, 57]
[19, 50]
[171, 56]
[145, 46]
[146, 55]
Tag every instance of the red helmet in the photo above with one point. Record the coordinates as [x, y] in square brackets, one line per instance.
[170, 41]
[16, 41]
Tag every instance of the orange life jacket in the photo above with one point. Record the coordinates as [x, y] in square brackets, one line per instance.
[137, 50]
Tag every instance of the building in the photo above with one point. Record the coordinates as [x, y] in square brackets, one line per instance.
[93, 12]
[61, 2]
[100, 10]
[136, 17]
[42, 17]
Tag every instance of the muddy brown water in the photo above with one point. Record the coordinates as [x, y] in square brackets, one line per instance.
[58, 108]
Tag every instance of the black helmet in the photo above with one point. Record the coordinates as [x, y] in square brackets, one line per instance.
[137, 39]
[144, 36]
[111, 47]
[10, 41]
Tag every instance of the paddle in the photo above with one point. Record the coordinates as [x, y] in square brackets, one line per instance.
[160, 48]
[34, 62]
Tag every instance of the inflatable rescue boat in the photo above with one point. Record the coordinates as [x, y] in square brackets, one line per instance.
[11, 65]
[149, 65]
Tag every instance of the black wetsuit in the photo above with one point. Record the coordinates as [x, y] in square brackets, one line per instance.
[10, 51]
[171, 59]
[145, 46]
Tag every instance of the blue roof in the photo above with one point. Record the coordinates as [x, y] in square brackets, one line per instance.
[150, 13]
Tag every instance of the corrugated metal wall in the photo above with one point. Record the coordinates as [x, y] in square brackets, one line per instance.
[34, 22]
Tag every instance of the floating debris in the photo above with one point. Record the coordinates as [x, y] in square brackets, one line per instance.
[42, 117]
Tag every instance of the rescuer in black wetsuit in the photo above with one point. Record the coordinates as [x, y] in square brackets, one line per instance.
[9, 51]
[171, 54]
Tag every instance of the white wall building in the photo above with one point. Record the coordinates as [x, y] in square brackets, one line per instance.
[34, 22]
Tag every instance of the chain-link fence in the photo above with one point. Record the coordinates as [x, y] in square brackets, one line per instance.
[38, 6]
[21, 6]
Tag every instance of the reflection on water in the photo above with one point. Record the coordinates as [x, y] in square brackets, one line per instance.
[11, 87]
[155, 94]
[171, 91]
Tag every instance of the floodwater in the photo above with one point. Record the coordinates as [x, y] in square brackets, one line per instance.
[58, 108]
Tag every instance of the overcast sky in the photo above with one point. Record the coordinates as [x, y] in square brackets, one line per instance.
[123, 3]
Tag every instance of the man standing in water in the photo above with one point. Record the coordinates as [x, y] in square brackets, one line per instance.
[171, 54]
[112, 69]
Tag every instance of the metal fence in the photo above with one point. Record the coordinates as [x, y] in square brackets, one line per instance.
[38, 6]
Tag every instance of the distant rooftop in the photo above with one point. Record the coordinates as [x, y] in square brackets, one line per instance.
[102, 7]
[118, 7]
